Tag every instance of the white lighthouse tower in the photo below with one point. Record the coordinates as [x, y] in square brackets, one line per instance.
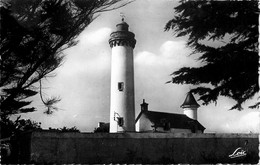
[122, 100]
[190, 106]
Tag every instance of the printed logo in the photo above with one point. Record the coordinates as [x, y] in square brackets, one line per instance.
[239, 152]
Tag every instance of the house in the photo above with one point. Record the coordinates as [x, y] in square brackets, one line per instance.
[154, 121]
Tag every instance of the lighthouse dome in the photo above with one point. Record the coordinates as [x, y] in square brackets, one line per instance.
[123, 26]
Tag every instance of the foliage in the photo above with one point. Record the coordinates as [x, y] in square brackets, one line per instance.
[33, 36]
[65, 129]
[230, 68]
[10, 131]
[10, 128]
[102, 128]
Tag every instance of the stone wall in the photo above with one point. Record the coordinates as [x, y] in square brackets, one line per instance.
[55, 147]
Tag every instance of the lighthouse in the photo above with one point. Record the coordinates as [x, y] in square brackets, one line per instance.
[122, 97]
[190, 106]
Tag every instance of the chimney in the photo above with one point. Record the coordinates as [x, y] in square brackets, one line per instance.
[144, 106]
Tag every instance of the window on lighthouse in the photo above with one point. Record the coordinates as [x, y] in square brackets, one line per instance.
[121, 86]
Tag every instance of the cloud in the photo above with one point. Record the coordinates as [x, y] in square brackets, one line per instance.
[177, 52]
[240, 123]
[249, 122]
[90, 55]
[91, 65]
[170, 49]
[172, 54]
[146, 58]
[152, 70]
[94, 37]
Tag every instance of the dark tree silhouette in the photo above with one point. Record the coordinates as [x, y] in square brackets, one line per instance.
[103, 128]
[65, 129]
[10, 128]
[229, 69]
[33, 36]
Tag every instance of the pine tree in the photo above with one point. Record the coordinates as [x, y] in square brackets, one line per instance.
[228, 69]
[33, 36]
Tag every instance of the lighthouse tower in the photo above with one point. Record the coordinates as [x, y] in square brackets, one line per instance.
[122, 100]
[190, 106]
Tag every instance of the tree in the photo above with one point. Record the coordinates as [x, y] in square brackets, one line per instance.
[104, 127]
[10, 128]
[33, 36]
[9, 132]
[228, 69]
[65, 129]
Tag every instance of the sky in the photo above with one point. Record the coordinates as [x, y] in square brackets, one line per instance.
[83, 81]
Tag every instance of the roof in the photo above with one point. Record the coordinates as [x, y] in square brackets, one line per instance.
[189, 101]
[176, 120]
[123, 26]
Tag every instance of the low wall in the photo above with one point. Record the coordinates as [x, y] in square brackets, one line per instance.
[55, 147]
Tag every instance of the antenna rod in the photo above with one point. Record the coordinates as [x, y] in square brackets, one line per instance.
[122, 16]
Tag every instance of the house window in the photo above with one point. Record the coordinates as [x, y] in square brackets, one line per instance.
[167, 126]
[121, 86]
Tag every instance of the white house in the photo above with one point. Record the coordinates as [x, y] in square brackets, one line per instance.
[154, 121]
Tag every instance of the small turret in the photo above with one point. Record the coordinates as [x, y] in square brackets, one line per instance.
[190, 106]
